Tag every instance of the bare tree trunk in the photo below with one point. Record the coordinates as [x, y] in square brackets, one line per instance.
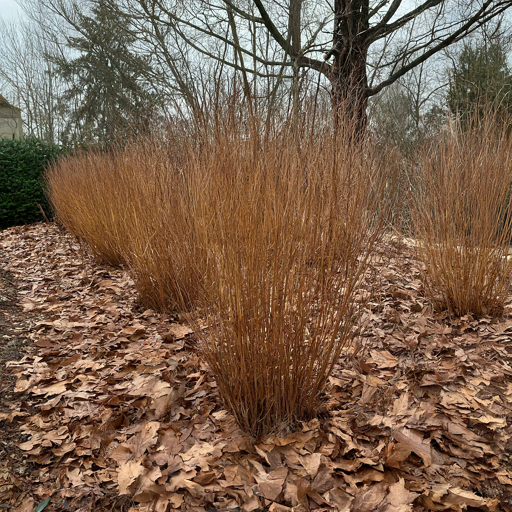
[348, 73]
[349, 83]
[294, 36]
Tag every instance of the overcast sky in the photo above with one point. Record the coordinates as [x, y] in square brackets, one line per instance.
[9, 10]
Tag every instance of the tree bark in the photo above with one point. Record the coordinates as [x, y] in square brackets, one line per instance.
[349, 83]
[348, 73]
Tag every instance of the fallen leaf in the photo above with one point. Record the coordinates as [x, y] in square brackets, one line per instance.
[414, 441]
[127, 474]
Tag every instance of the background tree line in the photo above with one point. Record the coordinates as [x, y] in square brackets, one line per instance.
[99, 71]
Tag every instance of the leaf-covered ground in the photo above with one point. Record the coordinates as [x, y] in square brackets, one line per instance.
[109, 407]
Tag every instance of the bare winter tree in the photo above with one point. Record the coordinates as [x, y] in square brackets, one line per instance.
[182, 73]
[359, 46]
[412, 108]
[28, 78]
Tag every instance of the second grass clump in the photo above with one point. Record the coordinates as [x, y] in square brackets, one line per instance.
[462, 217]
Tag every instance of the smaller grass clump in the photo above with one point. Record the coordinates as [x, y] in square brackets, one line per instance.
[462, 218]
[135, 207]
[90, 195]
[165, 252]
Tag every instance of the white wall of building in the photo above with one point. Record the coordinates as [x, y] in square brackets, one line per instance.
[10, 123]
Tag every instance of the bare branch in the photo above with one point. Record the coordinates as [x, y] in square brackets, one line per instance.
[476, 21]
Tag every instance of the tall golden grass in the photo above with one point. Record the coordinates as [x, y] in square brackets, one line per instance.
[135, 207]
[269, 233]
[290, 232]
[164, 250]
[462, 217]
[89, 196]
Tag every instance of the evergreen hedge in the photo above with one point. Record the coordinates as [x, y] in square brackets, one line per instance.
[22, 163]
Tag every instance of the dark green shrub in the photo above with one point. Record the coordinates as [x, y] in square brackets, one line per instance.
[22, 163]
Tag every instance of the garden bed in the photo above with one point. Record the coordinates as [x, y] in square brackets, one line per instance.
[113, 408]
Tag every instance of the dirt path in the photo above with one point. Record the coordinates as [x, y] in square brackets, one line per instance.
[13, 347]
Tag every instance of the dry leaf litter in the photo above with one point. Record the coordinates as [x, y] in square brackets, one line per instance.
[113, 409]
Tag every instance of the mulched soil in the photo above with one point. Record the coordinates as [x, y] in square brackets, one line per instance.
[13, 346]
[105, 406]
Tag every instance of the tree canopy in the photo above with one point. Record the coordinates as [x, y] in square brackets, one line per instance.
[481, 78]
[106, 96]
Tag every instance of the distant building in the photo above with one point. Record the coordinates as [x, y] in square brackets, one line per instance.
[10, 120]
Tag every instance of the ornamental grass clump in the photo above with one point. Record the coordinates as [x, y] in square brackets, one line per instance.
[290, 231]
[462, 218]
[133, 207]
[264, 234]
[164, 252]
[88, 193]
